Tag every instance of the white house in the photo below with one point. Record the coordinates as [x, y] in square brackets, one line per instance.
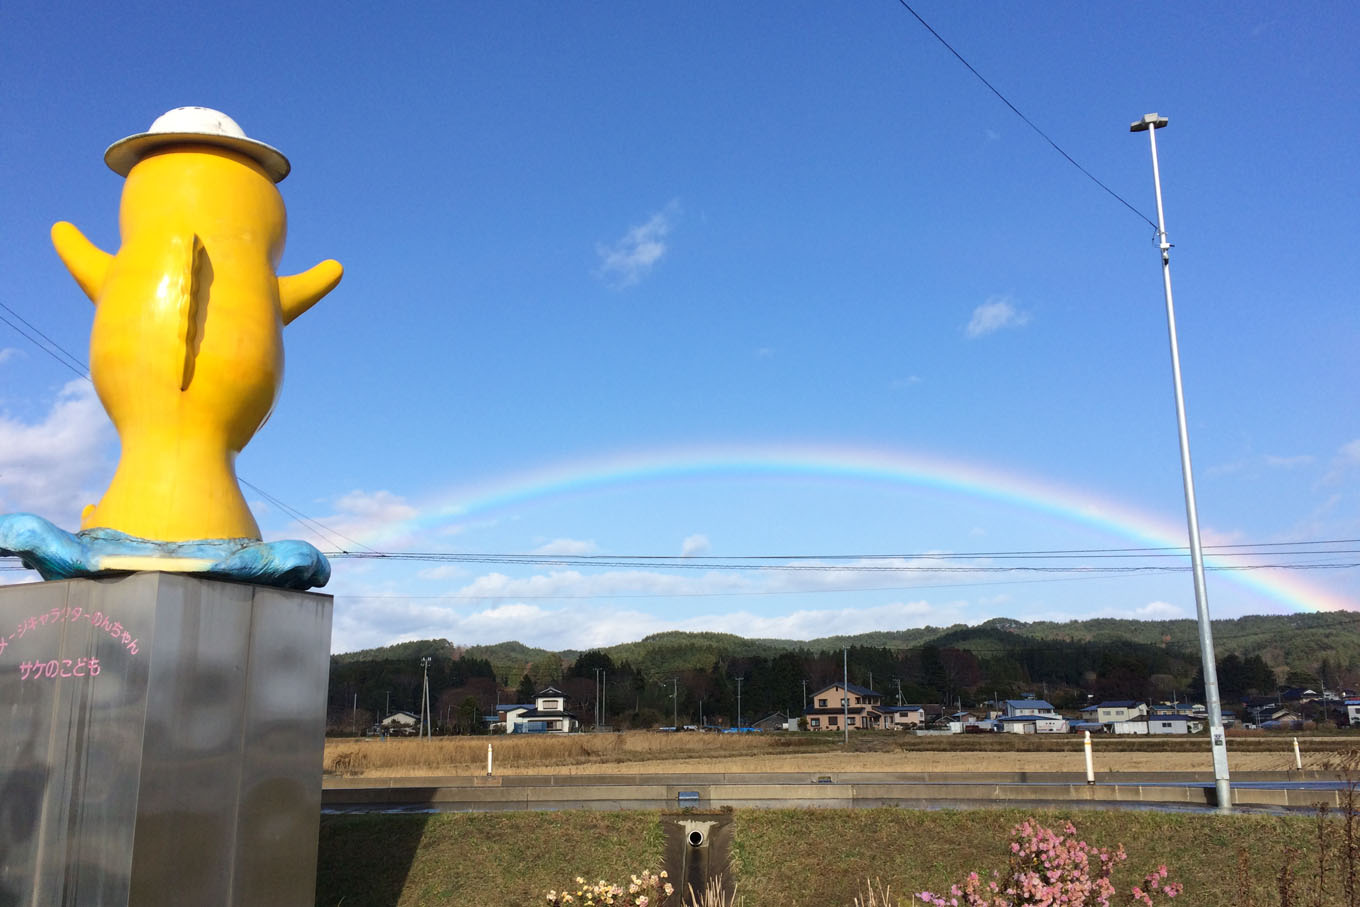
[1017, 724]
[401, 723]
[548, 715]
[1138, 725]
[1020, 707]
[1120, 710]
[1174, 724]
[1353, 711]
[902, 717]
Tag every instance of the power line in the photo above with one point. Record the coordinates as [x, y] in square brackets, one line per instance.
[78, 366]
[1028, 122]
[875, 562]
[316, 526]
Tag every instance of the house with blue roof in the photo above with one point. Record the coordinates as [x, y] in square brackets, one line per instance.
[1017, 708]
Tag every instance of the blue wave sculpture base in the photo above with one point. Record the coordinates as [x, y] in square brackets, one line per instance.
[58, 554]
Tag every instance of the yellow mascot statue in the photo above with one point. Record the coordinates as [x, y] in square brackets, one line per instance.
[186, 352]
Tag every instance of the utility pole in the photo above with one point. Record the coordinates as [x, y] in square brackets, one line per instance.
[739, 680]
[425, 699]
[845, 700]
[675, 703]
[899, 689]
[1150, 123]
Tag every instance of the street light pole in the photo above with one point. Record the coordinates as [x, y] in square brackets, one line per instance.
[1150, 123]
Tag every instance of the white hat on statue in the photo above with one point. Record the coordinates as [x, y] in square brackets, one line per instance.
[199, 125]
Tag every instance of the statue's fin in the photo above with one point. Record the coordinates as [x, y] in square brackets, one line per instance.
[191, 259]
[87, 263]
[300, 292]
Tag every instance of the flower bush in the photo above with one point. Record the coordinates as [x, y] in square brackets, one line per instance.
[645, 890]
[1048, 869]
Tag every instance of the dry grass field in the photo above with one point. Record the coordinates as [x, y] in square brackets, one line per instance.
[647, 752]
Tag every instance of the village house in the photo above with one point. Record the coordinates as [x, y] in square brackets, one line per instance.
[1111, 711]
[829, 708]
[1158, 724]
[548, 715]
[1027, 707]
[1034, 723]
[775, 721]
[1353, 712]
[903, 717]
[401, 724]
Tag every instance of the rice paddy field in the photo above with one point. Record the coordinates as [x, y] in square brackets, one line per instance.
[684, 753]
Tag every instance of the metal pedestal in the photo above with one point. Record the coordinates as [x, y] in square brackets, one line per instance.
[160, 741]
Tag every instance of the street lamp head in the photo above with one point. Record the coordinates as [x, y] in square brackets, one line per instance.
[1149, 121]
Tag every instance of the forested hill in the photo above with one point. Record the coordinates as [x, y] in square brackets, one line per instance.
[726, 678]
[1287, 643]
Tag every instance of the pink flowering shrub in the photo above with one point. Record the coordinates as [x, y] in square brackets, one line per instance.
[645, 890]
[1048, 869]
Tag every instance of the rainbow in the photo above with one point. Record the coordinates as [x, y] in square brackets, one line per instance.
[829, 462]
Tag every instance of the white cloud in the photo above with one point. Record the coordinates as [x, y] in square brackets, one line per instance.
[375, 514]
[364, 622]
[1160, 611]
[575, 584]
[901, 384]
[631, 258]
[1289, 462]
[1346, 459]
[55, 467]
[994, 315]
[7, 353]
[568, 547]
[443, 571]
[765, 352]
[694, 545]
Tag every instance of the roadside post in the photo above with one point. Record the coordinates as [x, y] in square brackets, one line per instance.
[1090, 767]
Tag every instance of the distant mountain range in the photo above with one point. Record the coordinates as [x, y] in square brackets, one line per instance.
[1288, 643]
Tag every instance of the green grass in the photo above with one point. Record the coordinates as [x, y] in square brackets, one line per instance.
[477, 859]
[798, 858]
[795, 858]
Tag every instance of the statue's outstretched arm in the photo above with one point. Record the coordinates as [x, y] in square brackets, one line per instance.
[299, 292]
[87, 263]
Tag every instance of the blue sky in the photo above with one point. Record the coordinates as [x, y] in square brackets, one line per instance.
[679, 279]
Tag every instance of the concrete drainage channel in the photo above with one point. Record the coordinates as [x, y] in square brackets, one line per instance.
[698, 854]
[1171, 790]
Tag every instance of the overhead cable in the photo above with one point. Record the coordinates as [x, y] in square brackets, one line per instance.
[1028, 122]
